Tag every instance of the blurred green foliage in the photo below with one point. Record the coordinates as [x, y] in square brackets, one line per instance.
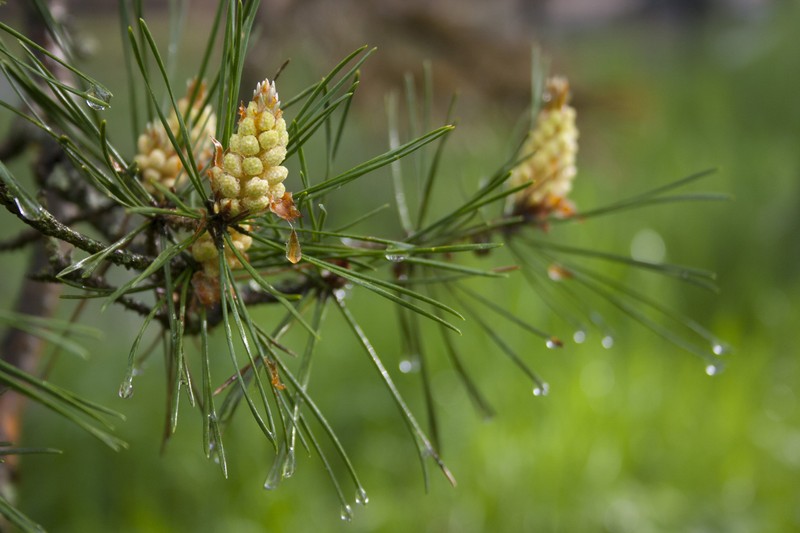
[636, 438]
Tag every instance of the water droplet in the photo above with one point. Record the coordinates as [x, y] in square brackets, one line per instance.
[409, 365]
[289, 464]
[553, 343]
[293, 252]
[579, 336]
[28, 209]
[713, 370]
[719, 349]
[275, 474]
[395, 258]
[98, 98]
[607, 342]
[361, 496]
[648, 245]
[347, 513]
[126, 388]
[272, 482]
[541, 390]
[340, 294]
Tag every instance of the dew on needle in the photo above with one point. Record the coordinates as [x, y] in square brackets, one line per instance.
[361, 496]
[719, 349]
[553, 343]
[347, 513]
[409, 365]
[541, 390]
[98, 98]
[126, 388]
[289, 464]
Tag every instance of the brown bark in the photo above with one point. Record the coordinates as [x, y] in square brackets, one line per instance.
[19, 348]
[24, 351]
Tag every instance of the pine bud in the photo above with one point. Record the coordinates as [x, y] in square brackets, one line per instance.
[551, 148]
[254, 156]
[157, 158]
[205, 252]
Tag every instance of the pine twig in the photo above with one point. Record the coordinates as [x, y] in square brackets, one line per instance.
[48, 225]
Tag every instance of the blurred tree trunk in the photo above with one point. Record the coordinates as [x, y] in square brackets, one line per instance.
[19, 348]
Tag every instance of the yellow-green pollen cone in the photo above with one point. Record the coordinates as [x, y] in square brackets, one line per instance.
[156, 157]
[205, 252]
[552, 146]
[249, 176]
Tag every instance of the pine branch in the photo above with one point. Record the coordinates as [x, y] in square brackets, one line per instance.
[46, 224]
[31, 235]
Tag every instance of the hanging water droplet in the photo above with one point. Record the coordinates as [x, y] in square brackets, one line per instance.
[289, 464]
[98, 98]
[339, 294]
[719, 349]
[293, 252]
[541, 390]
[275, 475]
[607, 342]
[713, 369]
[126, 388]
[347, 513]
[553, 343]
[395, 258]
[271, 483]
[212, 452]
[361, 496]
[579, 336]
[409, 365]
